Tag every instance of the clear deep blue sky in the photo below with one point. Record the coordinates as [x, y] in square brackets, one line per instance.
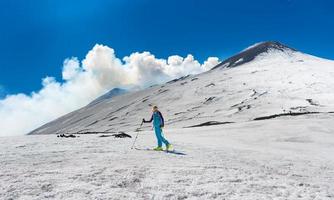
[37, 35]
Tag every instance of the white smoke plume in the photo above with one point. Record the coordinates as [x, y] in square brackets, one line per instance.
[99, 72]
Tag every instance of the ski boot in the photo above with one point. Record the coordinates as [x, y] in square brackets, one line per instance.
[169, 147]
[158, 149]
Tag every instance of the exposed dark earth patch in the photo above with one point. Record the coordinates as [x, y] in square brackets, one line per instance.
[226, 79]
[113, 118]
[160, 91]
[178, 113]
[300, 108]
[118, 135]
[256, 71]
[146, 98]
[312, 102]
[209, 123]
[153, 85]
[106, 136]
[208, 100]
[253, 96]
[209, 85]
[122, 135]
[212, 123]
[89, 132]
[83, 130]
[238, 104]
[67, 136]
[194, 108]
[93, 123]
[240, 108]
[254, 93]
[261, 94]
[178, 79]
[290, 114]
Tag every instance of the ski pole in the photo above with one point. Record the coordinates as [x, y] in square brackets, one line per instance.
[136, 135]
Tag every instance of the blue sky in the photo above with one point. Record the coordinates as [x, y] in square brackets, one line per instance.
[37, 35]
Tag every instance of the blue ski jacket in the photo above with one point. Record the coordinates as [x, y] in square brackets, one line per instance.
[157, 118]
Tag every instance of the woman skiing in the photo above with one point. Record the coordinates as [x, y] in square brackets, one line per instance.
[158, 124]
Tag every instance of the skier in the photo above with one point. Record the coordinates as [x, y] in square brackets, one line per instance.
[158, 124]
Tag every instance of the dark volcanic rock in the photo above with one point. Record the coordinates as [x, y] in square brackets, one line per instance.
[67, 135]
[251, 53]
[117, 135]
[121, 135]
[209, 123]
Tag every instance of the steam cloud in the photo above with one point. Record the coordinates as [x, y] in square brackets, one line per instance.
[99, 72]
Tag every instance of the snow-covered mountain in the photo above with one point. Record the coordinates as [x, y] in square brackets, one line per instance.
[264, 81]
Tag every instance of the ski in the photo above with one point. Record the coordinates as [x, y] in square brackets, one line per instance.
[165, 151]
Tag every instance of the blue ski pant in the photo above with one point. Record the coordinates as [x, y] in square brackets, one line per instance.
[160, 138]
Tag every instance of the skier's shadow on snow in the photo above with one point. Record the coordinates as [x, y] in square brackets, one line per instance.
[177, 153]
[168, 152]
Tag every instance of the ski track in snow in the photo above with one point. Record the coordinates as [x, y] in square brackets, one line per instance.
[273, 159]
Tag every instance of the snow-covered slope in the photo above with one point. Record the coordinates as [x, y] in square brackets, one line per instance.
[279, 159]
[264, 81]
[112, 93]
